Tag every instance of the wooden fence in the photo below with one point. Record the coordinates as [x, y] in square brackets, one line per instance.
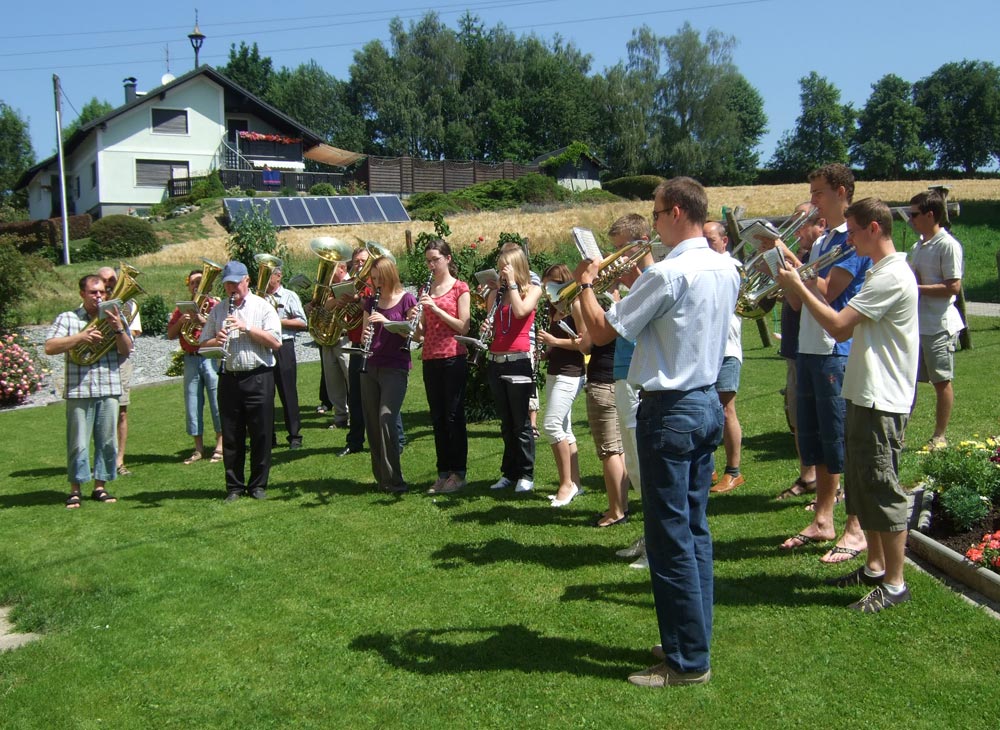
[405, 175]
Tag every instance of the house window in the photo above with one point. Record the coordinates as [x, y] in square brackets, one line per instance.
[170, 121]
[156, 173]
[76, 183]
[93, 174]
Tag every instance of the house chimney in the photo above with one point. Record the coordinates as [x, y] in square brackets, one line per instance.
[130, 85]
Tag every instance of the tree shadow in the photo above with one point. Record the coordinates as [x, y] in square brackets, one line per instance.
[514, 510]
[770, 445]
[508, 647]
[42, 472]
[555, 557]
[41, 498]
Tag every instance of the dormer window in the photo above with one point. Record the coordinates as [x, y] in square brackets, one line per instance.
[170, 121]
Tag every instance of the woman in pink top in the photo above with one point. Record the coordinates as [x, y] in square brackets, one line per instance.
[445, 313]
[510, 368]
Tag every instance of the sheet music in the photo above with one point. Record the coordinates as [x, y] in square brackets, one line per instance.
[586, 244]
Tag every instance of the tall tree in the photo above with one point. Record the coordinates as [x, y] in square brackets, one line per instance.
[822, 130]
[310, 95]
[16, 153]
[93, 109]
[961, 106]
[249, 69]
[887, 140]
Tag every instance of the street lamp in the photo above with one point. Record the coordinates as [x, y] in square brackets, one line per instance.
[197, 38]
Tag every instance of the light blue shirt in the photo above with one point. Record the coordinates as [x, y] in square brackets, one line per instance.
[678, 315]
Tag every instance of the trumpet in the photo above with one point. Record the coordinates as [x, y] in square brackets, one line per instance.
[611, 269]
[788, 232]
[751, 304]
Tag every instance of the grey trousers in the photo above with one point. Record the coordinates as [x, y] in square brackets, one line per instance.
[382, 394]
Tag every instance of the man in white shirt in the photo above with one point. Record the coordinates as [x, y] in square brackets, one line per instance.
[936, 259]
[677, 313]
[878, 385]
[293, 320]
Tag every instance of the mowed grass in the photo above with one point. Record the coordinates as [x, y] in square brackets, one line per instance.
[331, 605]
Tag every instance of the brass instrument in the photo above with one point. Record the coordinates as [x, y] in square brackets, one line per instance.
[418, 312]
[611, 269]
[266, 264]
[368, 340]
[125, 290]
[751, 304]
[351, 314]
[324, 324]
[203, 300]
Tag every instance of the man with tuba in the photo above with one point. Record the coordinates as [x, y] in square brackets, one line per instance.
[134, 327]
[249, 332]
[293, 320]
[91, 391]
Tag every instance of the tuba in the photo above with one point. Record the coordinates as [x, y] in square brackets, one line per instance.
[203, 300]
[324, 324]
[611, 269]
[125, 290]
[266, 264]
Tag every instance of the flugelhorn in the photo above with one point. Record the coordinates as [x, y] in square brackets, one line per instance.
[125, 290]
[324, 324]
[203, 300]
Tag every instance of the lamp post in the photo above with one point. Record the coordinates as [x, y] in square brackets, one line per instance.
[197, 38]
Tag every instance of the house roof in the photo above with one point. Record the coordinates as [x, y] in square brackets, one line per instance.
[236, 95]
[555, 153]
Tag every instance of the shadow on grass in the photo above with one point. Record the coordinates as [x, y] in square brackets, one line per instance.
[771, 445]
[555, 557]
[541, 513]
[510, 647]
[42, 472]
[40, 498]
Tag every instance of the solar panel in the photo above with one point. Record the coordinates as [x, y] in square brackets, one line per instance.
[321, 210]
[393, 208]
[369, 210]
[343, 208]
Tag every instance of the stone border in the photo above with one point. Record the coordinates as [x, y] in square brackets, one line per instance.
[980, 579]
[8, 639]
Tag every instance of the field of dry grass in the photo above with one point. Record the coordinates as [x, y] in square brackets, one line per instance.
[549, 228]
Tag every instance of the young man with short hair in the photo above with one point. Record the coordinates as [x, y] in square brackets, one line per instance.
[878, 387]
[936, 259]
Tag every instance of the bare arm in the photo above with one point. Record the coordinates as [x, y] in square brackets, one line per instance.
[592, 316]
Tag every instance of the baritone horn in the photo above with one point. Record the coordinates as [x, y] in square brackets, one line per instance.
[266, 264]
[323, 322]
[203, 300]
[125, 291]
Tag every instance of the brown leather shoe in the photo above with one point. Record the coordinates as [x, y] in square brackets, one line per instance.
[727, 484]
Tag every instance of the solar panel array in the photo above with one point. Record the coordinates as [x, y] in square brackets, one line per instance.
[336, 210]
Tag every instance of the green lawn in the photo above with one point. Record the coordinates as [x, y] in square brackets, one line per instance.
[331, 605]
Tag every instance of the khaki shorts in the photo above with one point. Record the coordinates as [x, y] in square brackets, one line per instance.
[791, 402]
[125, 369]
[871, 472]
[936, 363]
[603, 418]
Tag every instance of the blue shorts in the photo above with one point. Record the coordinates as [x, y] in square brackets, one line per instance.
[729, 375]
[821, 410]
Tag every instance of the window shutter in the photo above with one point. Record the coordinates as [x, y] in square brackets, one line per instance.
[170, 121]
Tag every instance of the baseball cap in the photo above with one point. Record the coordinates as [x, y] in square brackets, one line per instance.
[234, 272]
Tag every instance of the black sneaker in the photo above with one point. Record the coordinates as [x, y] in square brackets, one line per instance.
[855, 578]
[880, 599]
[347, 451]
[234, 495]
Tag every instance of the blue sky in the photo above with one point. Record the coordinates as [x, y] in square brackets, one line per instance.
[93, 46]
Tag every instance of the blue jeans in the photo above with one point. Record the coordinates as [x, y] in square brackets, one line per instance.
[86, 417]
[201, 375]
[821, 410]
[679, 432]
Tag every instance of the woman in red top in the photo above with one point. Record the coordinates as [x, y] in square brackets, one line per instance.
[445, 313]
[510, 368]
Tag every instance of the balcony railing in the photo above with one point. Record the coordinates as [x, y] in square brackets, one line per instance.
[255, 180]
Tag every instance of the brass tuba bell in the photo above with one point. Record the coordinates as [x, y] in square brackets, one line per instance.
[266, 264]
[125, 290]
[323, 322]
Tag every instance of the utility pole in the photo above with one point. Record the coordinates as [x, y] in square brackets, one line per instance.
[62, 168]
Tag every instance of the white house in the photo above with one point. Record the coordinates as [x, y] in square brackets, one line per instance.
[185, 128]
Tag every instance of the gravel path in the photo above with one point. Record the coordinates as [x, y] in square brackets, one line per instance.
[151, 355]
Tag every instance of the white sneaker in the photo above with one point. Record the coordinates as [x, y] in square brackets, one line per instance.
[524, 485]
[501, 483]
[640, 563]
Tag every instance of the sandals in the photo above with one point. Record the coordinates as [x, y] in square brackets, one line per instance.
[123, 471]
[100, 494]
[837, 499]
[800, 487]
[802, 540]
[196, 456]
[74, 501]
[216, 457]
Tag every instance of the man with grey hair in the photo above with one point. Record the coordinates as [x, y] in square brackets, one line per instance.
[293, 320]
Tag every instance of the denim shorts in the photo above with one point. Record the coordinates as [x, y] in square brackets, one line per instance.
[821, 410]
[729, 375]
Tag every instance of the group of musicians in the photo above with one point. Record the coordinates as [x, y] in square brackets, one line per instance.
[672, 329]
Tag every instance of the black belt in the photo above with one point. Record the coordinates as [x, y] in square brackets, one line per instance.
[644, 394]
[240, 374]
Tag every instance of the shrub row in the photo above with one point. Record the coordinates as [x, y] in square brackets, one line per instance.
[35, 235]
[635, 187]
[493, 195]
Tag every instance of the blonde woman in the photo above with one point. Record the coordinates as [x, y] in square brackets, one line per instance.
[510, 368]
[563, 383]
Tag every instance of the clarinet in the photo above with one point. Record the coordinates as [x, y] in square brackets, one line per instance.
[369, 339]
[225, 328]
[486, 330]
[418, 312]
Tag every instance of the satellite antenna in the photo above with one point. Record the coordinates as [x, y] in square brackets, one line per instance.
[167, 77]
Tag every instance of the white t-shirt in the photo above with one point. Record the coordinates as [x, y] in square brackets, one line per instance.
[882, 365]
[935, 261]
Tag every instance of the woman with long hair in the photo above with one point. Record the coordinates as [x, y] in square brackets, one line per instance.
[383, 379]
[510, 368]
[563, 382]
[445, 313]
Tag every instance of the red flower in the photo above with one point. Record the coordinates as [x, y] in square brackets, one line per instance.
[473, 245]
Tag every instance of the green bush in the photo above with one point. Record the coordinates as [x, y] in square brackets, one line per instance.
[155, 315]
[636, 187]
[539, 189]
[13, 275]
[250, 192]
[208, 187]
[287, 191]
[123, 236]
[253, 233]
[322, 188]
[964, 507]
[595, 196]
